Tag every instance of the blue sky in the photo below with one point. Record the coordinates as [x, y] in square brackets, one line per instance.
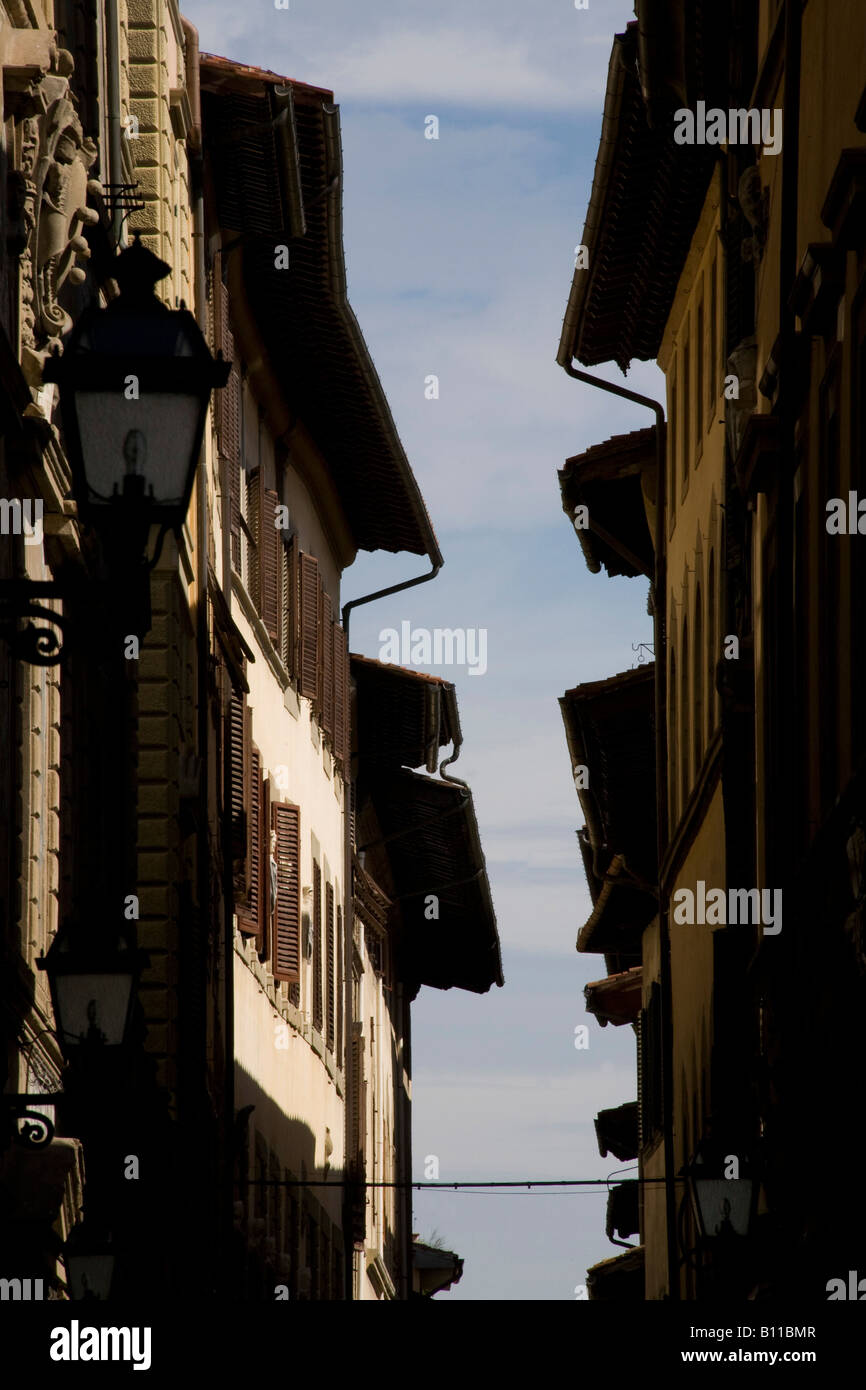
[459, 255]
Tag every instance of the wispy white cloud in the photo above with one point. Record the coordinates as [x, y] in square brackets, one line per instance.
[532, 57]
[454, 65]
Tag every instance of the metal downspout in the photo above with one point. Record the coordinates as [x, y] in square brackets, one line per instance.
[436, 562]
[659, 638]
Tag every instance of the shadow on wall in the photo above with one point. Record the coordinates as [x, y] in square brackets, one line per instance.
[289, 1240]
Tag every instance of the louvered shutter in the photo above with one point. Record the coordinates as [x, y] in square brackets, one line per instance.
[289, 603]
[340, 999]
[255, 518]
[250, 911]
[357, 1062]
[317, 947]
[269, 565]
[342, 700]
[326, 697]
[358, 1194]
[338, 642]
[331, 963]
[266, 905]
[643, 1136]
[240, 746]
[287, 912]
[362, 1104]
[228, 418]
[309, 645]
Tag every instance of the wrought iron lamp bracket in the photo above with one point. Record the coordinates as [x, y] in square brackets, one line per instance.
[38, 1130]
[20, 602]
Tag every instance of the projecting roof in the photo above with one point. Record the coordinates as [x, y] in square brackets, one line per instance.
[647, 194]
[274, 157]
[434, 1269]
[609, 727]
[617, 1131]
[431, 836]
[620, 912]
[619, 1279]
[617, 998]
[616, 482]
[402, 717]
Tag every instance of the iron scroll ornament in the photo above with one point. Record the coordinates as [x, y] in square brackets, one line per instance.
[40, 645]
[37, 1131]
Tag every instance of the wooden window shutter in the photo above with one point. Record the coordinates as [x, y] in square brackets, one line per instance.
[228, 416]
[266, 905]
[240, 755]
[287, 910]
[317, 947]
[290, 609]
[269, 567]
[339, 973]
[331, 963]
[357, 1141]
[255, 518]
[362, 1106]
[341, 697]
[357, 1085]
[326, 696]
[650, 1111]
[250, 912]
[309, 645]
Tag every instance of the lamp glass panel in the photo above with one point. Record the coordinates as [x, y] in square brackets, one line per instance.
[724, 1202]
[90, 1275]
[154, 437]
[101, 1001]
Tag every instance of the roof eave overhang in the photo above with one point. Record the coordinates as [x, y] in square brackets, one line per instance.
[435, 713]
[616, 79]
[437, 960]
[646, 200]
[219, 77]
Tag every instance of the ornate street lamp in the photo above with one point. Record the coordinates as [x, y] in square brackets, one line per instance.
[89, 1259]
[724, 1189]
[135, 381]
[92, 980]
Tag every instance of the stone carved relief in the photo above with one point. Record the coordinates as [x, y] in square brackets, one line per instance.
[55, 161]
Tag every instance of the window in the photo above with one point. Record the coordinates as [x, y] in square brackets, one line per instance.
[264, 568]
[698, 680]
[330, 954]
[672, 440]
[290, 585]
[684, 741]
[287, 908]
[323, 658]
[829, 583]
[672, 742]
[340, 1004]
[711, 645]
[650, 1067]
[318, 1009]
[858, 483]
[247, 794]
[687, 405]
[227, 409]
[700, 351]
[712, 378]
